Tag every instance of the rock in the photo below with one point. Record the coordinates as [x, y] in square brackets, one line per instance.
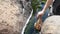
[51, 25]
[12, 19]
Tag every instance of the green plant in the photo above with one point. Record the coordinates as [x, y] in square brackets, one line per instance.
[35, 5]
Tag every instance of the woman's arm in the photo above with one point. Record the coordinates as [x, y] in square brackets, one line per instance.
[48, 3]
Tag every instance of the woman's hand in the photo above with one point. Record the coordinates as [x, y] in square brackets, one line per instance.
[40, 14]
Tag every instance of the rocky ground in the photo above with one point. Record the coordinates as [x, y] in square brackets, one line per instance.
[12, 15]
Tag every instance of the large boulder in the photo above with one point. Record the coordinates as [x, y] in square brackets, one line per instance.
[51, 25]
[12, 18]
